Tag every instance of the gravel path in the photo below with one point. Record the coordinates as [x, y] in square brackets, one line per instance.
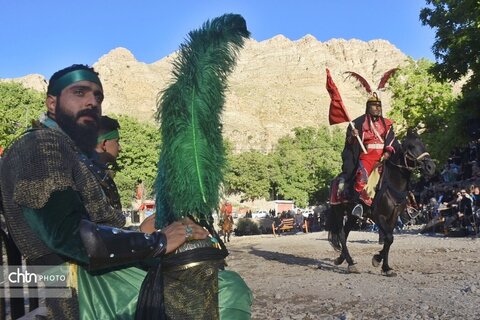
[293, 277]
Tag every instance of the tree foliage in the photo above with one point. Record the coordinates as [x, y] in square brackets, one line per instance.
[140, 143]
[307, 162]
[249, 174]
[300, 168]
[421, 101]
[456, 46]
[18, 107]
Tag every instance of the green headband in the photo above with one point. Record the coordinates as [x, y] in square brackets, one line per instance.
[108, 136]
[72, 77]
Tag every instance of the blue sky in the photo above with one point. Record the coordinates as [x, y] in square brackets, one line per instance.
[45, 36]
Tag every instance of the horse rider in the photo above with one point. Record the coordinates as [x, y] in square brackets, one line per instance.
[377, 135]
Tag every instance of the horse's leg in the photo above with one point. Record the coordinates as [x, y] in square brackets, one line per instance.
[344, 237]
[383, 254]
[339, 260]
[335, 227]
[382, 226]
[228, 236]
[386, 249]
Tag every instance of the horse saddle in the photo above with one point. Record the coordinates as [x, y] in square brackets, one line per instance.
[340, 191]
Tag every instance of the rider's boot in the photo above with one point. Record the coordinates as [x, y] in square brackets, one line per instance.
[341, 187]
[358, 211]
[364, 202]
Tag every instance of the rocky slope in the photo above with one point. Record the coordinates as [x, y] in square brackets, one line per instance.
[278, 84]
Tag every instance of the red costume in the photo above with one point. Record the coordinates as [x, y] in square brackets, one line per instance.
[373, 138]
[378, 138]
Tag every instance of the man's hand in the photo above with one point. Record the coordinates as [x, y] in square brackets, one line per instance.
[148, 225]
[386, 155]
[353, 133]
[180, 231]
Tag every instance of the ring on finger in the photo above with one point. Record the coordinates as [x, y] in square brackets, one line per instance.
[188, 232]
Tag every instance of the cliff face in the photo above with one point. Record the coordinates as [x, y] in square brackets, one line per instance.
[278, 84]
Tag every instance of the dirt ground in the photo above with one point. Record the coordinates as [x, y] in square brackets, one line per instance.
[293, 277]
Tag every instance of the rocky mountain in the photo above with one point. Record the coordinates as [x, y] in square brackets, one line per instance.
[278, 84]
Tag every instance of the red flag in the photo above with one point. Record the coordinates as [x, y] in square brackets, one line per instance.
[337, 112]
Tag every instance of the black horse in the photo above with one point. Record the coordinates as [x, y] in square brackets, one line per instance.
[389, 202]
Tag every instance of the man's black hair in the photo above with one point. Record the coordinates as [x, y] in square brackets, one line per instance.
[57, 75]
[108, 124]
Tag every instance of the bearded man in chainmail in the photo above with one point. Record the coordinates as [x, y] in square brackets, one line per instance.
[57, 214]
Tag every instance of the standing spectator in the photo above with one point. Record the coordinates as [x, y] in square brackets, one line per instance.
[465, 209]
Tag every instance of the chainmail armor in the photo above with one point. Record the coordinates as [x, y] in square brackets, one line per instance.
[41, 162]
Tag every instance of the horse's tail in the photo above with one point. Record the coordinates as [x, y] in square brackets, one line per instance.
[334, 225]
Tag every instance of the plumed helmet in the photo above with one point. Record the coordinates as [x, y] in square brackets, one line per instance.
[374, 99]
[373, 96]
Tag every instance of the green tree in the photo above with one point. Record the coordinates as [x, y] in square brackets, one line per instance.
[307, 163]
[138, 159]
[18, 107]
[300, 168]
[456, 46]
[248, 173]
[421, 101]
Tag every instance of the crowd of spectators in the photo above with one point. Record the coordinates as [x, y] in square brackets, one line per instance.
[462, 163]
[454, 196]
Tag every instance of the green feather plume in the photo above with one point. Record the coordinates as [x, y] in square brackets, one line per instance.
[192, 156]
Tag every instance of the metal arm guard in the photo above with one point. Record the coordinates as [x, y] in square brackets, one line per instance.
[109, 247]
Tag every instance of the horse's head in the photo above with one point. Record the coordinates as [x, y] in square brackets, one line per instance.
[415, 155]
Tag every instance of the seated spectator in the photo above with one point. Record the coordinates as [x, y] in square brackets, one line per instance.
[277, 222]
[299, 220]
[476, 198]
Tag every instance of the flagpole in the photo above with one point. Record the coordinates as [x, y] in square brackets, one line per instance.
[358, 138]
[336, 102]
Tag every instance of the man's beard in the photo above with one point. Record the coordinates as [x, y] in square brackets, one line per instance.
[84, 135]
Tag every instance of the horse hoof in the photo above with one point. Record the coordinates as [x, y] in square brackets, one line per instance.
[389, 273]
[352, 269]
[375, 262]
[338, 261]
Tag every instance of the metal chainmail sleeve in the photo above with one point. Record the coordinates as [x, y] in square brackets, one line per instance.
[38, 163]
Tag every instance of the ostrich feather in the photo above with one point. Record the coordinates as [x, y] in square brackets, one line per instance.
[192, 156]
[386, 76]
[360, 79]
